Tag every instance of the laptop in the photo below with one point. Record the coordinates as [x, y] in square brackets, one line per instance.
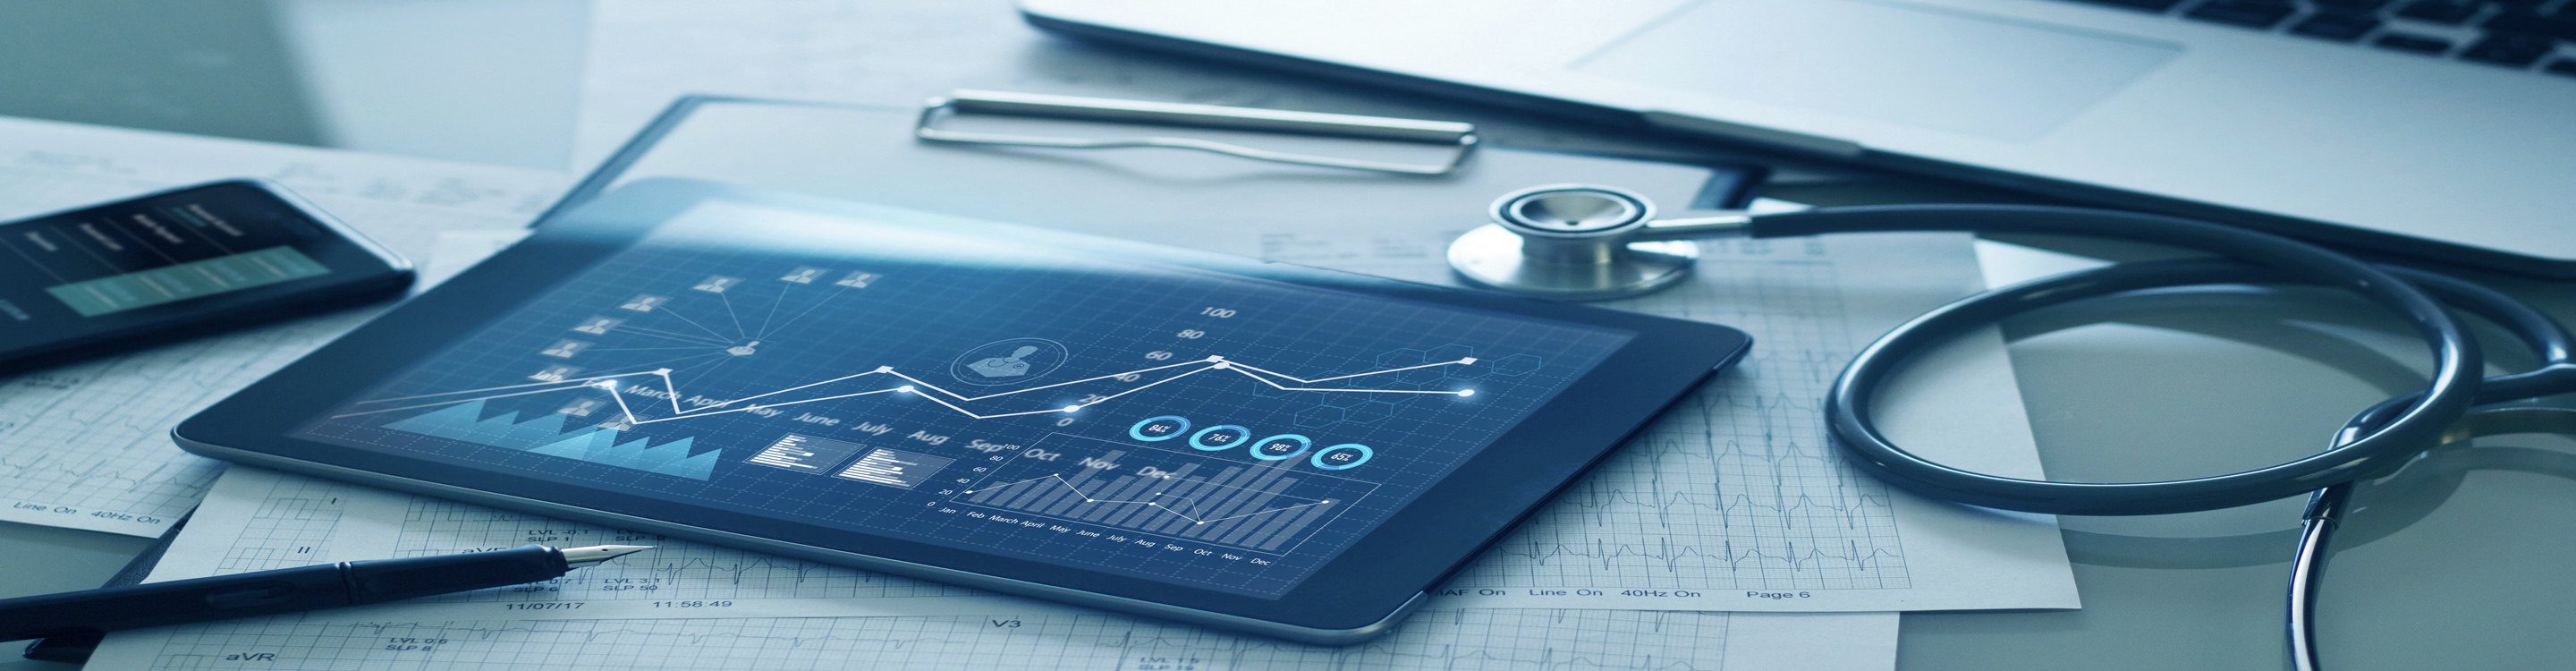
[2437, 129]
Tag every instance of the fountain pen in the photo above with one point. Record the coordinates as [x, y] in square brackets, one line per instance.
[353, 583]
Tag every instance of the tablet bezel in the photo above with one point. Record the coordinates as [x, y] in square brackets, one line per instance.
[1356, 595]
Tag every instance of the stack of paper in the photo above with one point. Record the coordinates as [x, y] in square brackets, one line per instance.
[688, 605]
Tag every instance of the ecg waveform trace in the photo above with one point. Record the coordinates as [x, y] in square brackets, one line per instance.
[126, 477]
[674, 569]
[292, 526]
[1736, 487]
[671, 392]
[1467, 640]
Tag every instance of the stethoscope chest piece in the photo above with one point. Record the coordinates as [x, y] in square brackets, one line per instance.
[1571, 242]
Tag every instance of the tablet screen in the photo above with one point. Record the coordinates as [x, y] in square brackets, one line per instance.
[1112, 414]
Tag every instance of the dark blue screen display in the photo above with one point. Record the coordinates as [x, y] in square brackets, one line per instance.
[1204, 429]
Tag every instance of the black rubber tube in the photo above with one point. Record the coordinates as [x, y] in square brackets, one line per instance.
[2455, 384]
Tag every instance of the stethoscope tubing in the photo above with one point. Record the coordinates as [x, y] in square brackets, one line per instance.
[2547, 339]
[2330, 475]
[2326, 508]
[2454, 387]
[2374, 443]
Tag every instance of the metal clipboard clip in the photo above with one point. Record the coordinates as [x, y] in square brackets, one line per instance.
[1462, 135]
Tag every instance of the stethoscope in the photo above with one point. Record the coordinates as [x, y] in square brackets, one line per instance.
[1587, 242]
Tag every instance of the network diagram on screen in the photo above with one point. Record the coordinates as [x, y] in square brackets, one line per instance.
[1180, 425]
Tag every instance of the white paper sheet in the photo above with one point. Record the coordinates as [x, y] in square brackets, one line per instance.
[717, 608]
[1468, 640]
[456, 251]
[87, 446]
[1734, 501]
[257, 520]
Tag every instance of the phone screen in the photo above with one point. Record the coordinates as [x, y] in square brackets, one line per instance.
[165, 256]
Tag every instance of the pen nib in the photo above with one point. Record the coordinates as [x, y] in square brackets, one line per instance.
[586, 557]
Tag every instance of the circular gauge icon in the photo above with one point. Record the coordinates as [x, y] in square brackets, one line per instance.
[1219, 437]
[1162, 428]
[1280, 447]
[1343, 456]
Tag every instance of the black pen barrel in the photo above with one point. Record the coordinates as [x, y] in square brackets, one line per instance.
[273, 592]
[381, 580]
[174, 602]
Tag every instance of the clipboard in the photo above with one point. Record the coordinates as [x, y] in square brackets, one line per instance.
[1156, 194]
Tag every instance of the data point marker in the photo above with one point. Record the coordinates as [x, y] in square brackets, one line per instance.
[1071, 408]
[661, 371]
[1466, 392]
[1467, 360]
[906, 389]
[885, 369]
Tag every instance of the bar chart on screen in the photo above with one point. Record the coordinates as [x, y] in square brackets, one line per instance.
[1100, 487]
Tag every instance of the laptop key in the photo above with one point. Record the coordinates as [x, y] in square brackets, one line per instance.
[2509, 49]
[2353, 5]
[2337, 26]
[2414, 43]
[2562, 26]
[2439, 11]
[2248, 13]
[2563, 66]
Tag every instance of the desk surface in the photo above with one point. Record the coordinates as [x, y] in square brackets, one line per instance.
[2135, 389]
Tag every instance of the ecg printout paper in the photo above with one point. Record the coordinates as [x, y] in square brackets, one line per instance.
[1456, 640]
[1733, 500]
[689, 605]
[87, 446]
[257, 520]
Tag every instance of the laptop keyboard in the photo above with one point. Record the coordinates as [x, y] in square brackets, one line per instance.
[2535, 35]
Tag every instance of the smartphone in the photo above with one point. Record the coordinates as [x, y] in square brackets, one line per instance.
[177, 264]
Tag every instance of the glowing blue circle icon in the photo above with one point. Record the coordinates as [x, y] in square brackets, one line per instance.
[1219, 437]
[1283, 446]
[1339, 457]
[1166, 427]
[1012, 361]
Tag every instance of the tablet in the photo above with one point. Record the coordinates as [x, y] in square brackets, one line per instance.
[1263, 447]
